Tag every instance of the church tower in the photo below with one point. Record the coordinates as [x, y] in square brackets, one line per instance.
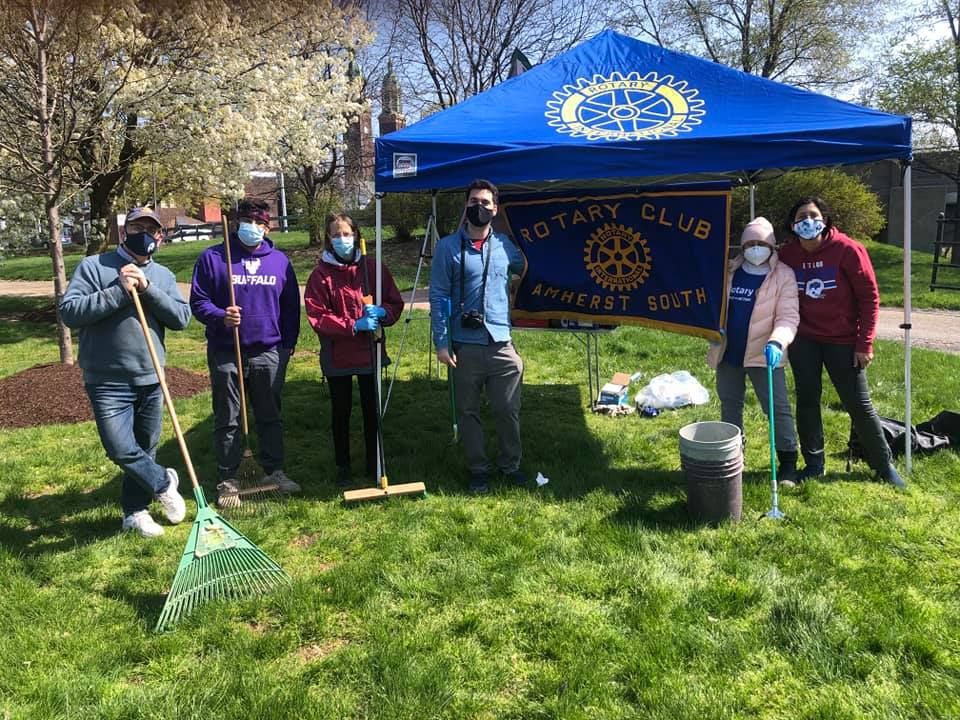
[391, 116]
[358, 153]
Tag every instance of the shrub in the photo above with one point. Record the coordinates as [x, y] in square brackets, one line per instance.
[857, 211]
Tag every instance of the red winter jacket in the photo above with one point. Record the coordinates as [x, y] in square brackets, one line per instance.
[334, 301]
[839, 298]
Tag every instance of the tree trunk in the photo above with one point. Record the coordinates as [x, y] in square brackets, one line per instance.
[64, 338]
[52, 190]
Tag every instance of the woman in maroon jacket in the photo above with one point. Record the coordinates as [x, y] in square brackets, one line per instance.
[839, 304]
[345, 321]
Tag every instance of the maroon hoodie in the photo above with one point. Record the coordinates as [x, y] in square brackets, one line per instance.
[839, 298]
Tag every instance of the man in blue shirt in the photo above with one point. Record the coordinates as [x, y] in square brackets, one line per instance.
[470, 299]
[119, 375]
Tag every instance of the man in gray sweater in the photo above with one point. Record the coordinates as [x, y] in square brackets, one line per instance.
[120, 380]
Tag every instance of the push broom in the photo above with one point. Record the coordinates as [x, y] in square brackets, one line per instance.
[218, 562]
[383, 489]
[250, 485]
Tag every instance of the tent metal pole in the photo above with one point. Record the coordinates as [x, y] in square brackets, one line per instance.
[753, 210]
[377, 301]
[907, 302]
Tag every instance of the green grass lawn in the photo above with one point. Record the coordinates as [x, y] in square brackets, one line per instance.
[180, 257]
[593, 597]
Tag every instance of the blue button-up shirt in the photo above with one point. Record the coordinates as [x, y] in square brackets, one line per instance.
[504, 258]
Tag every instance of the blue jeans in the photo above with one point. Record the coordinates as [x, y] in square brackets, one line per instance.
[129, 419]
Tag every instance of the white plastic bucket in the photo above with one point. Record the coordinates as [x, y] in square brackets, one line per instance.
[711, 442]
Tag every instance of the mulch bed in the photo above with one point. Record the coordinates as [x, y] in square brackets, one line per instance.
[53, 393]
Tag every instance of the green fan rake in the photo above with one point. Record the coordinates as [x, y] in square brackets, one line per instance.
[218, 562]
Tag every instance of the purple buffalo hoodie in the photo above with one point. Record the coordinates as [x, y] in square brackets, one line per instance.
[266, 290]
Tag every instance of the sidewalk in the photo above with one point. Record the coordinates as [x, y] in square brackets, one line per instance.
[935, 329]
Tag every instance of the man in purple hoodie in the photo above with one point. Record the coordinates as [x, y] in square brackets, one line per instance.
[267, 313]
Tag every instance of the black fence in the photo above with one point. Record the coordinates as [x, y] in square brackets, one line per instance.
[946, 256]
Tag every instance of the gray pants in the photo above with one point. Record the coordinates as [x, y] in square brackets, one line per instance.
[498, 369]
[731, 385]
[263, 374]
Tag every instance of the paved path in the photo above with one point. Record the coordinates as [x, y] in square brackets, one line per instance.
[936, 329]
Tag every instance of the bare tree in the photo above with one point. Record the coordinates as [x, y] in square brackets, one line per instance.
[449, 50]
[810, 43]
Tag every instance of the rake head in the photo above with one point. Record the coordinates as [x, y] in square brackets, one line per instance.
[218, 563]
[254, 495]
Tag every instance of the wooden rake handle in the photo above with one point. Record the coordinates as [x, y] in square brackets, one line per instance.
[163, 386]
[236, 330]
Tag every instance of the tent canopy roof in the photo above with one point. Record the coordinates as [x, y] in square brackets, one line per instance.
[616, 107]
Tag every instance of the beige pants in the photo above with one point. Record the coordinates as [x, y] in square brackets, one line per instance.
[498, 369]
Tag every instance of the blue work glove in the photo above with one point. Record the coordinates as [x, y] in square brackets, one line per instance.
[773, 353]
[374, 311]
[366, 324]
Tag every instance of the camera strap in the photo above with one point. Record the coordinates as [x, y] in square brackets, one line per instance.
[486, 264]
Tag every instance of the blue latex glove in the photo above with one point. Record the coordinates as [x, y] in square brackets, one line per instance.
[773, 353]
[374, 311]
[366, 324]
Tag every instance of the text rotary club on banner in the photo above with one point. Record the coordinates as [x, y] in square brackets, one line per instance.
[654, 258]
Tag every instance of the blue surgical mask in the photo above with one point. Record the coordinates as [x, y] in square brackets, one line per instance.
[250, 234]
[808, 228]
[343, 246]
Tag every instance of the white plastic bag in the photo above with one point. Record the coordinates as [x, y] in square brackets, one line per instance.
[672, 391]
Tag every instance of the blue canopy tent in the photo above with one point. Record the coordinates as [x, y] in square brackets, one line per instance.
[616, 110]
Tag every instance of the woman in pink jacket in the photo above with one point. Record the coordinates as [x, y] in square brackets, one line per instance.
[345, 320]
[762, 318]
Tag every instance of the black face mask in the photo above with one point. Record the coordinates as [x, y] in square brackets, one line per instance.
[478, 215]
[143, 244]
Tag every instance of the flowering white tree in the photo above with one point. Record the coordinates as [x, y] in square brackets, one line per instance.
[90, 87]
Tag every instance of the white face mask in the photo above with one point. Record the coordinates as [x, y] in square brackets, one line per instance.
[757, 254]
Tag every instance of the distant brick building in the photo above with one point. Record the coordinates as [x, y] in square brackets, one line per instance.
[358, 165]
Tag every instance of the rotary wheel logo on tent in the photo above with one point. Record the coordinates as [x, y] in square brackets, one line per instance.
[617, 257]
[625, 108]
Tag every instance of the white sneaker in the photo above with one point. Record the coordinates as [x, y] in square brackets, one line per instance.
[143, 524]
[285, 484]
[173, 505]
[227, 496]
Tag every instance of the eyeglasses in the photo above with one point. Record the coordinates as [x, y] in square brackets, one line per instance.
[147, 227]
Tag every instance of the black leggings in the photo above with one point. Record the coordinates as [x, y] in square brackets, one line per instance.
[808, 358]
[341, 403]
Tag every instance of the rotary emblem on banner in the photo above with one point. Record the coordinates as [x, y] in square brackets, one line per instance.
[627, 107]
[617, 257]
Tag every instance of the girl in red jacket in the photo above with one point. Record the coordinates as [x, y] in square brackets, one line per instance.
[839, 304]
[345, 321]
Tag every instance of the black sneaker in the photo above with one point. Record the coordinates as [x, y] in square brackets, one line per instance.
[517, 477]
[479, 483]
[343, 476]
[891, 476]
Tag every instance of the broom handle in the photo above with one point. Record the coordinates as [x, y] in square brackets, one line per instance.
[236, 330]
[163, 386]
[374, 349]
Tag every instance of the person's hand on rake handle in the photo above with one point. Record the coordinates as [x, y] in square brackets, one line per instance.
[773, 353]
[132, 277]
[232, 316]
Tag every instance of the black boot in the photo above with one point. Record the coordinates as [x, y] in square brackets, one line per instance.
[787, 472]
[813, 466]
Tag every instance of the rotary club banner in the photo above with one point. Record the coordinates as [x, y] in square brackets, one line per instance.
[652, 258]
